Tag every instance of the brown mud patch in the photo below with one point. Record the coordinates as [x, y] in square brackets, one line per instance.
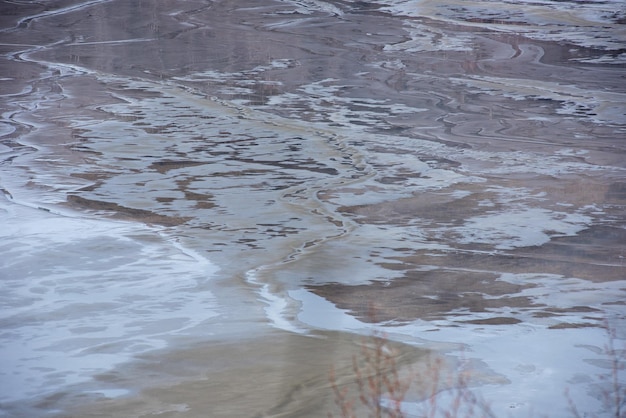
[429, 295]
[125, 213]
[595, 254]
[280, 375]
[453, 284]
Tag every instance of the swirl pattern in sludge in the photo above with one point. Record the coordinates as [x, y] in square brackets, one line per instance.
[207, 204]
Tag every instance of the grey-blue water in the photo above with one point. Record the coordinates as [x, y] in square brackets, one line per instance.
[207, 204]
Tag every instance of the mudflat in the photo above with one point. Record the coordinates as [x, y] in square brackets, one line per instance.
[208, 206]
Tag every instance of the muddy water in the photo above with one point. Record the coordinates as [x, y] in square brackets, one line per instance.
[207, 204]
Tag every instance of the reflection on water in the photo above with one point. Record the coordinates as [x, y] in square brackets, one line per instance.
[186, 176]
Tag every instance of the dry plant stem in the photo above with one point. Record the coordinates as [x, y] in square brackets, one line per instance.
[572, 406]
[617, 363]
[464, 403]
[434, 372]
[615, 397]
[341, 399]
[376, 374]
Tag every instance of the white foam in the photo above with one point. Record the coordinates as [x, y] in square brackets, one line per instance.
[312, 6]
[82, 295]
[321, 314]
[277, 306]
[592, 24]
[598, 105]
[540, 364]
[563, 292]
[60, 11]
[521, 227]
[429, 38]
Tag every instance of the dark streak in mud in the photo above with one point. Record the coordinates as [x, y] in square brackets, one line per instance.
[123, 212]
[165, 166]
